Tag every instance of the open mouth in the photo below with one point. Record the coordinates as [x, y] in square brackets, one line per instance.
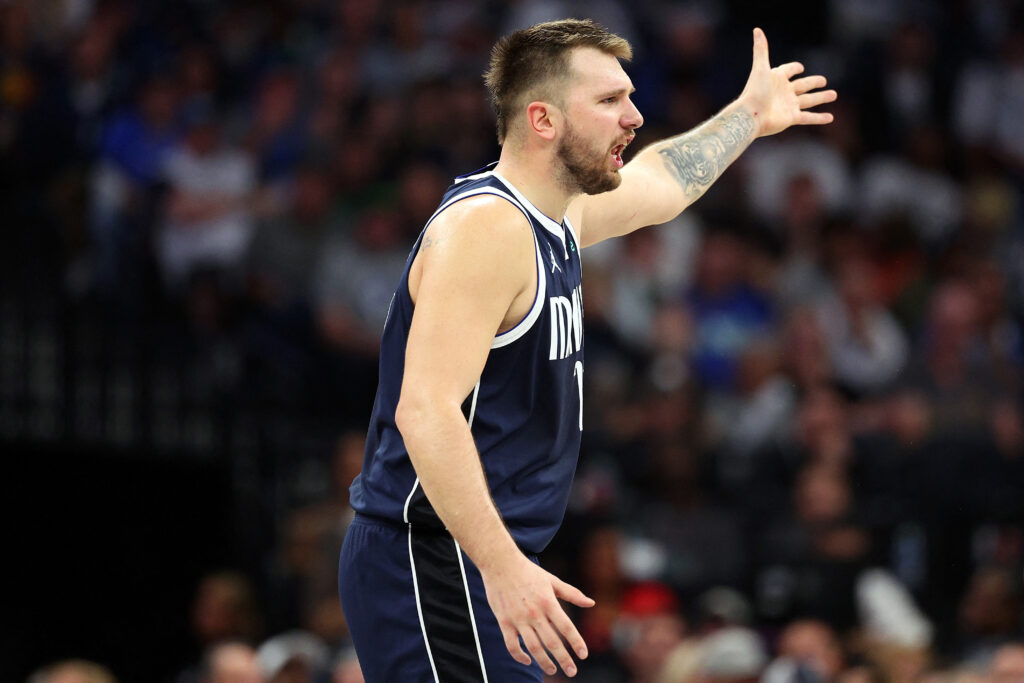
[617, 155]
[617, 151]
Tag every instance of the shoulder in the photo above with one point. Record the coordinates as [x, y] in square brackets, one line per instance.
[482, 244]
[484, 219]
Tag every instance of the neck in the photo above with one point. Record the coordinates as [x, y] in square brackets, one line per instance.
[536, 175]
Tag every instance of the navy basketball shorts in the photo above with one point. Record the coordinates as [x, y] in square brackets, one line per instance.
[417, 609]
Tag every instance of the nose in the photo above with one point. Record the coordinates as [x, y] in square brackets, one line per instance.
[632, 119]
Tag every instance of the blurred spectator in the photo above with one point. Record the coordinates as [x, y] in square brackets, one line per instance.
[814, 645]
[822, 435]
[602, 578]
[231, 662]
[225, 609]
[720, 609]
[74, 671]
[133, 151]
[354, 280]
[732, 655]
[346, 668]
[310, 547]
[866, 20]
[868, 673]
[65, 123]
[954, 369]
[759, 414]
[727, 311]
[604, 12]
[773, 164]
[420, 183]
[805, 350]
[408, 54]
[670, 347]
[988, 101]
[1001, 333]
[897, 635]
[293, 657]
[207, 216]
[285, 249]
[990, 615]
[811, 557]
[200, 79]
[702, 540]
[802, 279]
[649, 628]
[1007, 664]
[276, 135]
[650, 268]
[722, 606]
[910, 88]
[916, 185]
[338, 81]
[867, 346]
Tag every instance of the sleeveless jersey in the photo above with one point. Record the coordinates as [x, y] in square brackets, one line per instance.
[525, 413]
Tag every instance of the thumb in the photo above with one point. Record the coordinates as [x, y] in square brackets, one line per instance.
[570, 593]
[760, 49]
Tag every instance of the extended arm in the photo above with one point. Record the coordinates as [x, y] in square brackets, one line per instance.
[467, 280]
[669, 175]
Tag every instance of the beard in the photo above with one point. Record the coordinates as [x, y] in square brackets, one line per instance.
[584, 169]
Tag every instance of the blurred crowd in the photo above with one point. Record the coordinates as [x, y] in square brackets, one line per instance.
[803, 458]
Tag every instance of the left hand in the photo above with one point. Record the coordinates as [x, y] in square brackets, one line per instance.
[779, 102]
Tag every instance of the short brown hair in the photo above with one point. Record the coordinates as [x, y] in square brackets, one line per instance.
[527, 62]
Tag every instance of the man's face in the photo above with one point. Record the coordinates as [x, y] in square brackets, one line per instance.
[600, 120]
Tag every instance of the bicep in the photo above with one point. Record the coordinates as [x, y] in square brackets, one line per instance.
[469, 277]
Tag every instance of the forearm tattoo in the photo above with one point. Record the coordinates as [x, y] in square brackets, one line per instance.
[696, 159]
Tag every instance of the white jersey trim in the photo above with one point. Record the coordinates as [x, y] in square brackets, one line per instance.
[405, 511]
[472, 405]
[475, 176]
[523, 326]
[469, 603]
[473, 193]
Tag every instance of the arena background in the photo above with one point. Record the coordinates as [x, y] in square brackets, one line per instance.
[815, 371]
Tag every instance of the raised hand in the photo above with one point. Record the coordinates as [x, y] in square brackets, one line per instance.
[524, 598]
[777, 100]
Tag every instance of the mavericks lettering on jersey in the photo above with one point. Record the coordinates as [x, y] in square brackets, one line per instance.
[566, 324]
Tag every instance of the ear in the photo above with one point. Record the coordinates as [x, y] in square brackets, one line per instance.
[544, 119]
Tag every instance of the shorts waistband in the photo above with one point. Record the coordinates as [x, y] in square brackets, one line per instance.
[363, 518]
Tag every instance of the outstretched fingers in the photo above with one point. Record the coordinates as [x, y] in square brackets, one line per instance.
[790, 69]
[533, 644]
[513, 644]
[564, 625]
[554, 645]
[813, 99]
[814, 118]
[570, 593]
[533, 623]
[808, 83]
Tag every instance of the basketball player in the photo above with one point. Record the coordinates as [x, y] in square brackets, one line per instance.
[476, 426]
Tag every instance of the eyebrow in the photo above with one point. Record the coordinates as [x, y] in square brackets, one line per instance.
[618, 91]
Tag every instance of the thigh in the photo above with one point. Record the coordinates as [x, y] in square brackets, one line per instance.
[378, 599]
[417, 610]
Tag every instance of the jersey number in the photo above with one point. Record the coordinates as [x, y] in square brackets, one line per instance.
[578, 373]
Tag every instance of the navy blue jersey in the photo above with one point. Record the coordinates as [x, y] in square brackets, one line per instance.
[525, 413]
